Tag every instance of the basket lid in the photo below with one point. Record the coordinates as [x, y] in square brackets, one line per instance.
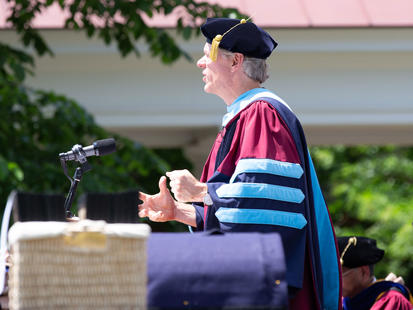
[38, 230]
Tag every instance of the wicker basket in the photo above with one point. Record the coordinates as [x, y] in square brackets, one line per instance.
[84, 265]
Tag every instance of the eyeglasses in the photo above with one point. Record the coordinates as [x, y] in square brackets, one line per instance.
[347, 272]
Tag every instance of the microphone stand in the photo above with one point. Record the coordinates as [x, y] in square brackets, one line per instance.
[84, 167]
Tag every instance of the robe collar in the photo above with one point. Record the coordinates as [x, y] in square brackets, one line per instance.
[245, 100]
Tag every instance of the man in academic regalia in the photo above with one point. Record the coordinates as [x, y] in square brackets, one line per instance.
[361, 290]
[259, 176]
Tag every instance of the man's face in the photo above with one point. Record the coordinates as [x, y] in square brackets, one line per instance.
[216, 74]
[355, 280]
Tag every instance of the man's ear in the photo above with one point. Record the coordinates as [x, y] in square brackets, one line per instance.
[237, 61]
[366, 271]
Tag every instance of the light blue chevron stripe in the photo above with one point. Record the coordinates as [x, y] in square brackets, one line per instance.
[260, 216]
[270, 166]
[260, 190]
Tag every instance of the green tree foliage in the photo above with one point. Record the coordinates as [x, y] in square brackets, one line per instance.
[369, 193]
[120, 22]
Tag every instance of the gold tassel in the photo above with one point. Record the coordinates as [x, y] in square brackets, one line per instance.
[352, 240]
[213, 53]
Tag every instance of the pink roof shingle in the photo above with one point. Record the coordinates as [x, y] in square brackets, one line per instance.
[389, 13]
[279, 13]
[283, 13]
[339, 13]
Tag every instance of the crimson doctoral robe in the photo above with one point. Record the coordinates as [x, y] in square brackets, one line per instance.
[261, 178]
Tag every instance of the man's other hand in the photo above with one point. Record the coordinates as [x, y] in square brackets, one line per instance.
[185, 187]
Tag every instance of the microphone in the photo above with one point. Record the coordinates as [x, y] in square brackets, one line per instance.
[98, 148]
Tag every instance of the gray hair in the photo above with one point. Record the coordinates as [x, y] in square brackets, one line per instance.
[255, 68]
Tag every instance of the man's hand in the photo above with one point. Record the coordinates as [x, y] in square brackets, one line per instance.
[160, 207]
[185, 187]
[392, 277]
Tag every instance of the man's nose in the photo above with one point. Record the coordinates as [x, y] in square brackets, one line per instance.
[201, 62]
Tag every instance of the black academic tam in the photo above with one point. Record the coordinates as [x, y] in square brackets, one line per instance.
[359, 251]
[239, 37]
